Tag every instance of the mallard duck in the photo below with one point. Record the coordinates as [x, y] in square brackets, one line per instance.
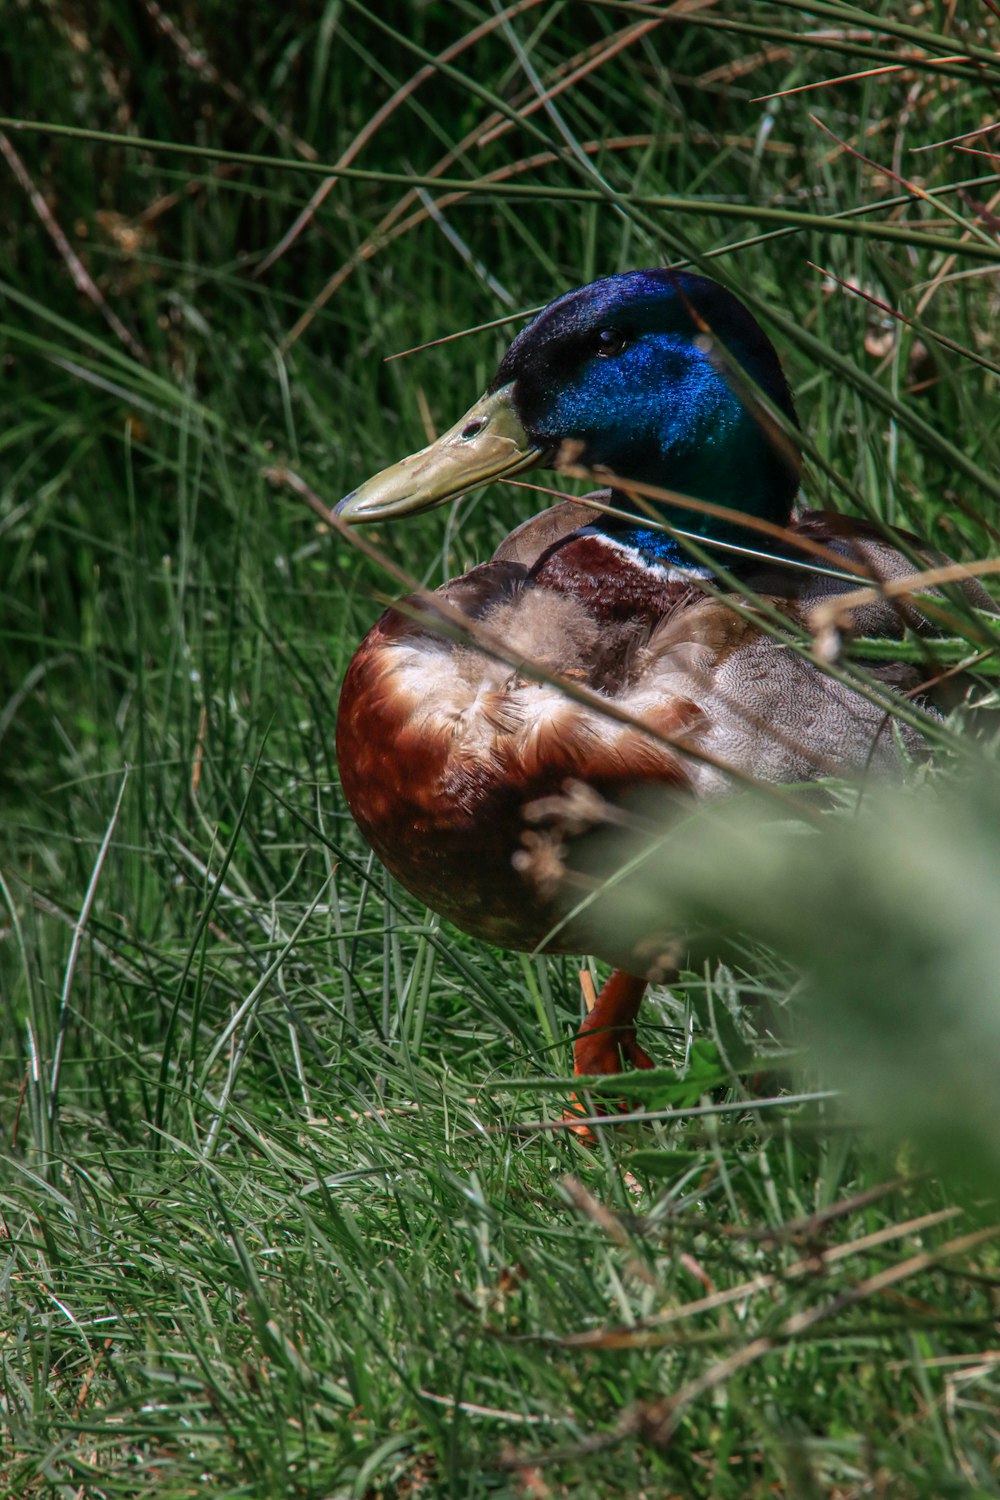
[480, 765]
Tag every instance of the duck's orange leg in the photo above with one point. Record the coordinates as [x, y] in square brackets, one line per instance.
[606, 1041]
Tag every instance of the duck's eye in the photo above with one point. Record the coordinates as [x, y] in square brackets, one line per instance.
[609, 342]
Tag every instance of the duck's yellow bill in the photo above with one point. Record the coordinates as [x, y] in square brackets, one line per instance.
[488, 443]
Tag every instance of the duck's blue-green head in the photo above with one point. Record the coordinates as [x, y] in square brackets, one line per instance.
[653, 376]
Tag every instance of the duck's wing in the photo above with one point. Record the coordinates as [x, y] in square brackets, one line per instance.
[526, 543]
[759, 708]
[863, 547]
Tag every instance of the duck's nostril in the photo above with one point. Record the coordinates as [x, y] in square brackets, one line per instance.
[474, 428]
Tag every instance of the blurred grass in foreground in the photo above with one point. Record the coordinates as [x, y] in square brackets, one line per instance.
[278, 1219]
[887, 908]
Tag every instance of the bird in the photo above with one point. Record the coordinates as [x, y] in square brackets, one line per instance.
[490, 733]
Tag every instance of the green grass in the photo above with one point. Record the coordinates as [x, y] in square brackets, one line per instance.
[277, 1216]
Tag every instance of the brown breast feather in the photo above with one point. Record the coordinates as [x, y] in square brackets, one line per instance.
[441, 748]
